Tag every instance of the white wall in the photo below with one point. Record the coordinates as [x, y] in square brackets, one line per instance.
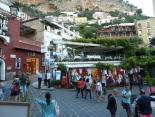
[4, 7]
[2, 68]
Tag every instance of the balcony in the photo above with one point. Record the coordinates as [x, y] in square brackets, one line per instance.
[87, 64]
[86, 59]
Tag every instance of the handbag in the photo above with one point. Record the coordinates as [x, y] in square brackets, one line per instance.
[14, 89]
[57, 110]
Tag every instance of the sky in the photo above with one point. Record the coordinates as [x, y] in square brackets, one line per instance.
[145, 5]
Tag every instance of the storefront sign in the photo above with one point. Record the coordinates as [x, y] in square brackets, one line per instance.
[12, 56]
[58, 75]
[43, 49]
[51, 55]
[52, 64]
[9, 68]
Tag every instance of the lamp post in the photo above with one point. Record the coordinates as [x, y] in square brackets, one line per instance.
[13, 11]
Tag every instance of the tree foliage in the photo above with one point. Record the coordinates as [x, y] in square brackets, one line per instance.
[86, 13]
[153, 41]
[139, 12]
[129, 63]
[103, 66]
[62, 67]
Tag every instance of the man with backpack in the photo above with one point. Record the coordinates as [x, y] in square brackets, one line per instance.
[112, 105]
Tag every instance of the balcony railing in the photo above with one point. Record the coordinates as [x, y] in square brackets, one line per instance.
[105, 58]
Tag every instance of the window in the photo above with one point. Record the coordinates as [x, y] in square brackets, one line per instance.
[116, 34]
[120, 29]
[148, 24]
[0, 51]
[31, 53]
[124, 34]
[102, 35]
[139, 25]
[109, 34]
[139, 32]
[131, 34]
[148, 31]
[18, 63]
[128, 29]
[45, 27]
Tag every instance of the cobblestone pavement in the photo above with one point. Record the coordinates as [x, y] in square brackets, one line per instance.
[77, 107]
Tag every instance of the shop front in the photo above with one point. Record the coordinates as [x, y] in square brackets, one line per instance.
[32, 65]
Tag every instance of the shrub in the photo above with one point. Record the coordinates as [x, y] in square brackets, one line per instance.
[150, 81]
[55, 83]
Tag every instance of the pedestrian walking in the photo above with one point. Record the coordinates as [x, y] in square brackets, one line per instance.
[5, 91]
[14, 90]
[49, 107]
[1, 92]
[126, 80]
[40, 76]
[45, 80]
[112, 104]
[131, 81]
[140, 82]
[98, 90]
[88, 89]
[19, 75]
[28, 82]
[126, 101]
[84, 86]
[79, 88]
[48, 79]
[144, 104]
[23, 88]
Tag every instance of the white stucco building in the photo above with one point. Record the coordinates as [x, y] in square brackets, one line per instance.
[153, 8]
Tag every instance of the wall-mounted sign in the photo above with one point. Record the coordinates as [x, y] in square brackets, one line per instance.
[43, 49]
[52, 64]
[9, 68]
[51, 55]
[12, 56]
[58, 75]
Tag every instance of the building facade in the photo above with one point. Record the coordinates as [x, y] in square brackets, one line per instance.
[118, 31]
[16, 52]
[146, 30]
[80, 20]
[153, 8]
[52, 35]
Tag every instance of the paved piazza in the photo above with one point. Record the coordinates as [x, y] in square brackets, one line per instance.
[73, 107]
[77, 107]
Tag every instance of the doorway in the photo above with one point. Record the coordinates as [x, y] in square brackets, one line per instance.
[32, 65]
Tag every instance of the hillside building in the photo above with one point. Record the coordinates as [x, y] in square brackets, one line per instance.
[146, 29]
[118, 31]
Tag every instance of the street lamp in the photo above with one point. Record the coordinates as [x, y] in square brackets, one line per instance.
[13, 10]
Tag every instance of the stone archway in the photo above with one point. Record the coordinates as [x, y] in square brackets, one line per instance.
[2, 69]
[6, 39]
